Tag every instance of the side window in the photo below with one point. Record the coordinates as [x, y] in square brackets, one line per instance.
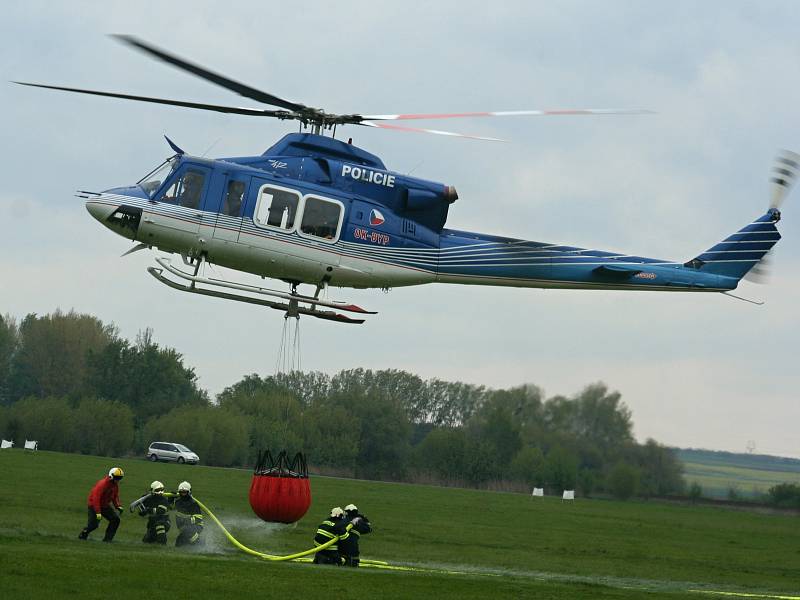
[186, 190]
[158, 446]
[321, 218]
[276, 207]
[234, 198]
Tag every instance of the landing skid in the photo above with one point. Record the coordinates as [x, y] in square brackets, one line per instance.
[295, 305]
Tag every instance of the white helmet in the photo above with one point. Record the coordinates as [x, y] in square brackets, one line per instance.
[116, 473]
[157, 487]
[337, 512]
[185, 486]
[351, 508]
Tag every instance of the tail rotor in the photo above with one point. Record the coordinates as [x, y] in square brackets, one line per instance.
[784, 174]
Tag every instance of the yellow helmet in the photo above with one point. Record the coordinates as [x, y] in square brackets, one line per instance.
[116, 473]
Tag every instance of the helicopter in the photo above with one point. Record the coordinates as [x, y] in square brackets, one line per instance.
[315, 210]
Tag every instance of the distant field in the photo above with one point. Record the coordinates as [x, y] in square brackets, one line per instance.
[749, 475]
[468, 544]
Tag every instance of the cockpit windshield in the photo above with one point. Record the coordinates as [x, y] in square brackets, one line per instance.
[153, 180]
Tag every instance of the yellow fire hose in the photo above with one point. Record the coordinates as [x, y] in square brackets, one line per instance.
[264, 556]
[300, 556]
[244, 548]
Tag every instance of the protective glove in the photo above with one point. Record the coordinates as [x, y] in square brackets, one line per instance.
[99, 516]
[356, 521]
[119, 510]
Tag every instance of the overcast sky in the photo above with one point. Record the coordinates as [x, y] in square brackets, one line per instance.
[696, 370]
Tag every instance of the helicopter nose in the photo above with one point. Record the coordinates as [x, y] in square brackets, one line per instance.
[119, 218]
[100, 210]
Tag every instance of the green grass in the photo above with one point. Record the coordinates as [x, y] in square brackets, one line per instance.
[505, 545]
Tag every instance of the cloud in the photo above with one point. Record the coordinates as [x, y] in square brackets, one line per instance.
[696, 369]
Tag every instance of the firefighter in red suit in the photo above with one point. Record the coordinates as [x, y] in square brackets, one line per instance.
[104, 502]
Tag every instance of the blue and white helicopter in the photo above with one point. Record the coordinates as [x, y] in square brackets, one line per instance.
[316, 210]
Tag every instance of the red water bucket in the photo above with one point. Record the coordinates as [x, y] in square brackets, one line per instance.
[280, 491]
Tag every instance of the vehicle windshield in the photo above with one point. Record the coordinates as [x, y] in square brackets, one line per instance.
[153, 180]
[182, 448]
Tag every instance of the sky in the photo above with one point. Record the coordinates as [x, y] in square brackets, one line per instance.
[697, 370]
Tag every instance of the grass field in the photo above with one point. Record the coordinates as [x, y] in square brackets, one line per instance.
[748, 475]
[500, 545]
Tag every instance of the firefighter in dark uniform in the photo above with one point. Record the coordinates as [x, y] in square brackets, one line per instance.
[103, 496]
[188, 516]
[156, 508]
[328, 530]
[348, 546]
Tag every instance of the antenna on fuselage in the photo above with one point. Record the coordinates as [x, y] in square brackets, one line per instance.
[210, 147]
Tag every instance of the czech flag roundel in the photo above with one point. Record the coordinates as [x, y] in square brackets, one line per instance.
[376, 218]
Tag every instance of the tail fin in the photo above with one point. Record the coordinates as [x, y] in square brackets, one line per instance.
[737, 254]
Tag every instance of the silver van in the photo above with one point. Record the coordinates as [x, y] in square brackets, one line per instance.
[171, 451]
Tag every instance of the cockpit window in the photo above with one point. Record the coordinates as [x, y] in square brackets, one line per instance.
[153, 180]
[186, 190]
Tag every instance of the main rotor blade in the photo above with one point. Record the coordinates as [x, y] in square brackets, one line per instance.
[436, 131]
[235, 86]
[257, 112]
[511, 113]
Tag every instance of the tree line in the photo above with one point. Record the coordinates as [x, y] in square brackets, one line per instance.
[74, 384]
